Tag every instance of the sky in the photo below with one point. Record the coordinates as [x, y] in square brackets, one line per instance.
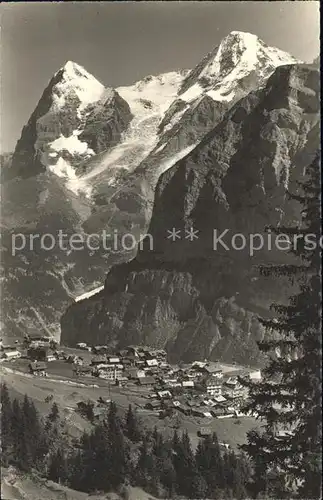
[120, 43]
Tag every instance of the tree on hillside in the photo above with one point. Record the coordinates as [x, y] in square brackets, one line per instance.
[184, 464]
[132, 430]
[118, 449]
[6, 417]
[58, 468]
[210, 464]
[289, 397]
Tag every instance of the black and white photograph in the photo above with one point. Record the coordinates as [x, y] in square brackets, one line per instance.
[161, 244]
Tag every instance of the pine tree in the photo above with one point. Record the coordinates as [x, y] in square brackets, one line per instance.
[184, 464]
[54, 413]
[6, 417]
[146, 467]
[58, 470]
[210, 464]
[291, 463]
[132, 430]
[118, 450]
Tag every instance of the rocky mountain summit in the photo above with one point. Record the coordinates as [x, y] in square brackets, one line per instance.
[75, 118]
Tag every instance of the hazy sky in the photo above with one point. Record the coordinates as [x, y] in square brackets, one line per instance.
[120, 43]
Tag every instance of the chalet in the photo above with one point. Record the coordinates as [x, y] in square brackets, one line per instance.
[227, 414]
[128, 362]
[151, 362]
[83, 370]
[10, 354]
[132, 351]
[109, 371]
[212, 386]
[81, 345]
[121, 380]
[38, 368]
[134, 373]
[200, 412]
[153, 405]
[100, 349]
[140, 363]
[146, 381]
[231, 382]
[59, 354]
[37, 353]
[198, 365]
[99, 360]
[217, 412]
[188, 384]
[255, 375]
[163, 365]
[113, 360]
[204, 432]
[164, 394]
[161, 354]
[213, 369]
[38, 340]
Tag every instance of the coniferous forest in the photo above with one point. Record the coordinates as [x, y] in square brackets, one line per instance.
[116, 453]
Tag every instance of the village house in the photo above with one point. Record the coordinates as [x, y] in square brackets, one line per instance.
[100, 349]
[188, 384]
[83, 370]
[99, 360]
[109, 371]
[153, 405]
[213, 369]
[50, 357]
[164, 394]
[151, 363]
[212, 386]
[134, 373]
[10, 353]
[81, 345]
[38, 340]
[204, 432]
[114, 360]
[37, 353]
[59, 355]
[146, 381]
[38, 368]
[231, 382]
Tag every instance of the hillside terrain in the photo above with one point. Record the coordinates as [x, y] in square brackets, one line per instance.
[213, 148]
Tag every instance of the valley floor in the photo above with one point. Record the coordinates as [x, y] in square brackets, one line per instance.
[67, 390]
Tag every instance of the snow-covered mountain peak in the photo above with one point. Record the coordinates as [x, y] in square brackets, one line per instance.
[240, 55]
[74, 79]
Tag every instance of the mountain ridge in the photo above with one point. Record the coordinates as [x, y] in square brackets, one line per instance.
[139, 137]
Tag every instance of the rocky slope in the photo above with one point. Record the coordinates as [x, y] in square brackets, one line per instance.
[197, 300]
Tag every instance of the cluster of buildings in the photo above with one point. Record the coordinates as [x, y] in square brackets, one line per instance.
[201, 389]
[138, 364]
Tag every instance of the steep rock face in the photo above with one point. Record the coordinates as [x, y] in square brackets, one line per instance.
[194, 297]
[39, 284]
[60, 132]
[241, 63]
